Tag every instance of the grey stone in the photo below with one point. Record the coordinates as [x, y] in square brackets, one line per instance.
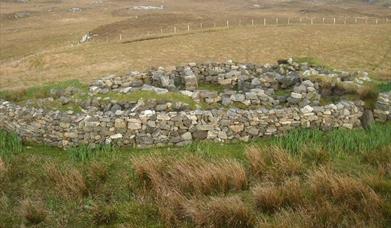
[367, 119]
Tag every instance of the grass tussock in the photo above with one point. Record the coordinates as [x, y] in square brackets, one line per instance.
[69, 183]
[270, 197]
[10, 143]
[323, 214]
[3, 167]
[274, 164]
[96, 175]
[104, 214]
[316, 155]
[191, 174]
[174, 183]
[346, 192]
[220, 212]
[33, 212]
[380, 157]
[208, 185]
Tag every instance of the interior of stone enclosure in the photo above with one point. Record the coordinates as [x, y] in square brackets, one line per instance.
[207, 86]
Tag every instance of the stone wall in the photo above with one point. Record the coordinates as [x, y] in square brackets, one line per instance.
[250, 101]
[382, 110]
[150, 128]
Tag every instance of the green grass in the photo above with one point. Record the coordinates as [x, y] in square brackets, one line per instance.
[312, 62]
[114, 196]
[211, 87]
[283, 92]
[149, 95]
[43, 91]
[384, 87]
[84, 153]
[339, 141]
[10, 143]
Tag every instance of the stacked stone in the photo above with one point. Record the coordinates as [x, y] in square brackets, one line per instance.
[382, 110]
[151, 128]
[305, 94]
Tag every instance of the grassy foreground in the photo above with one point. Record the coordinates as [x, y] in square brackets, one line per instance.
[305, 179]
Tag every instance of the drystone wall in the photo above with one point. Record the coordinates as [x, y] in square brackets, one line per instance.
[382, 110]
[246, 101]
[149, 128]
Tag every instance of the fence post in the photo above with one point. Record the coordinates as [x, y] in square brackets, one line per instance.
[355, 20]
[323, 20]
[188, 27]
[264, 21]
[277, 20]
[227, 24]
[252, 22]
[334, 20]
[120, 36]
[201, 26]
[301, 20]
[161, 30]
[377, 21]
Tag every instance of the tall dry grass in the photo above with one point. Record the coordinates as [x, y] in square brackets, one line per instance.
[70, 183]
[33, 212]
[270, 197]
[220, 212]
[346, 192]
[191, 174]
[3, 167]
[174, 184]
[273, 164]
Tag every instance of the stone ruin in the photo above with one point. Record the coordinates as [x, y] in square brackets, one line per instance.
[214, 101]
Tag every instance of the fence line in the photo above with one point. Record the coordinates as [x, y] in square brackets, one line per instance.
[266, 21]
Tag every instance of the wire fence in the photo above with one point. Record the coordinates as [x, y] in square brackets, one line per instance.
[192, 27]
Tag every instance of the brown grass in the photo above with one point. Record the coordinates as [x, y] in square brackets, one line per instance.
[273, 164]
[316, 155]
[270, 197]
[380, 158]
[34, 212]
[174, 183]
[104, 214]
[346, 192]
[170, 203]
[96, 175]
[191, 174]
[69, 183]
[347, 47]
[3, 167]
[220, 212]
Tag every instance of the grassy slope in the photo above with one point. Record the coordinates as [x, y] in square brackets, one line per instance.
[104, 186]
[348, 47]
